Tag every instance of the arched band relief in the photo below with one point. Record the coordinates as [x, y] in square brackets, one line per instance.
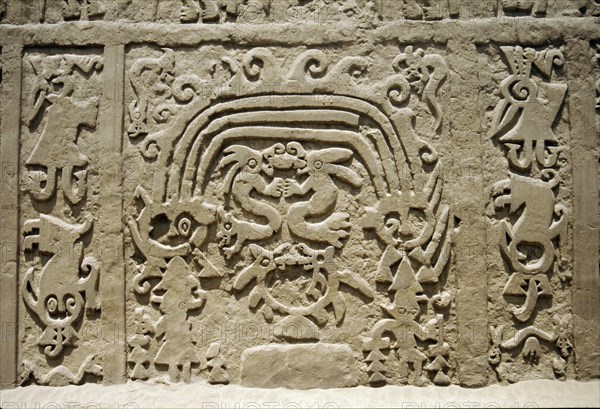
[276, 103]
[332, 137]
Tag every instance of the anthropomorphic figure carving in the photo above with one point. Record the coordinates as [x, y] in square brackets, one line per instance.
[321, 167]
[406, 330]
[537, 225]
[57, 148]
[217, 365]
[405, 222]
[243, 180]
[177, 293]
[60, 375]
[139, 344]
[66, 284]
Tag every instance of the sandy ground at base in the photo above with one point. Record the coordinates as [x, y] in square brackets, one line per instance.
[527, 394]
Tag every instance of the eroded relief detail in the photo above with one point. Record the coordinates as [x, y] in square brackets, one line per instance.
[60, 375]
[65, 115]
[265, 193]
[532, 223]
[256, 12]
[60, 283]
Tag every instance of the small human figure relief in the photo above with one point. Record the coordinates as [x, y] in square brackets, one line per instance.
[67, 283]
[53, 99]
[139, 343]
[217, 365]
[406, 329]
[527, 110]
[541, 220]
[176, 294]
[60, 375]
[536, 8]
[438, 353]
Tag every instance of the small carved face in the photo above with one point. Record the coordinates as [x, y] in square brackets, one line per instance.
[400, 219]
[494, 356]
[62, 306]
[189, 13]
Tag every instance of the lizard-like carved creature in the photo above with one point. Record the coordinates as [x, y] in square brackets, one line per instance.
[321, 166]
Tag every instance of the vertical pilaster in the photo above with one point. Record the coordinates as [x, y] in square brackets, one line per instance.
[110, 220]
[468, 204]
[9, 211]
[586, 218]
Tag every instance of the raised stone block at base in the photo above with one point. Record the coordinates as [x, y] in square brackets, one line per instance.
[301, 366]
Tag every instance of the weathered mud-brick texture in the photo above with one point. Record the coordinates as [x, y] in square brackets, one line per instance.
[299, 194]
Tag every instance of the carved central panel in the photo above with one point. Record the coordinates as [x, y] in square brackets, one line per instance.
[300, 194]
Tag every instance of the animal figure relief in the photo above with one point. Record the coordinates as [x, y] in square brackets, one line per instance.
[57, 146]
[524, 117]
[60, 375]
[246, 176]
[321, 166]
[530, 337]
[66, 283]
[540, 222]
[537, 286]
[323, 287]
[188, 229]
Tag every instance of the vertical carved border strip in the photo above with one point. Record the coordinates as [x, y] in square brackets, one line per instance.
[586, 229]
[9, 212]
[467, 187]
[112, 282]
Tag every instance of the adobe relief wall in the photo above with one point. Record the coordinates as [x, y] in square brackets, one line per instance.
[299, 194]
